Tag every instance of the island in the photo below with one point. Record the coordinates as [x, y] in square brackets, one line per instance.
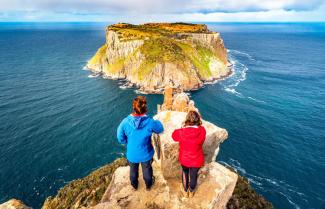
[154, 55]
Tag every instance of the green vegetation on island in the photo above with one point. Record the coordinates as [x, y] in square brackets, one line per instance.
[128, 32]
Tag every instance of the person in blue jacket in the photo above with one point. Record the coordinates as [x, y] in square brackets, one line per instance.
[135, 131]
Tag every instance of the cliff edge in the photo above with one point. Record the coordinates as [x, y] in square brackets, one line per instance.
[215, 183]
[154, 55]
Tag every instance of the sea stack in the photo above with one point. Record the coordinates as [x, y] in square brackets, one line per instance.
[154, 55]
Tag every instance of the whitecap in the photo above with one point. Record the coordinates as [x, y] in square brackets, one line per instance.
[140, 92]
[239, 74]
[233, 51]
[233, 91]
[256, 100]
[93, 75]
[280, 186]
[123, 87]
[290, 201]
[251, 180]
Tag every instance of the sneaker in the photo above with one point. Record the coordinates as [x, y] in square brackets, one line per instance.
[153, 182]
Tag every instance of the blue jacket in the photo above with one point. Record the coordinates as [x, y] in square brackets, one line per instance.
[135, 132]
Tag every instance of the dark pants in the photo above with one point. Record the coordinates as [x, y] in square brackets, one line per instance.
[189, 177]
[146, 171]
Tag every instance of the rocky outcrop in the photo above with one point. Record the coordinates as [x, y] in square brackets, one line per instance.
[152, 56]
[87, 191]
[14, 204]
[215, 184]
[168, 159]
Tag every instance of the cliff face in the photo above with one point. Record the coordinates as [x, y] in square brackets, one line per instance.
[152, 56]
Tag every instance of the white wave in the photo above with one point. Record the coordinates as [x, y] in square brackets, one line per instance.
[211, 82]
[140, 92]
[235, 161]
[233, 51]
[251, 180]
[239, 74]
[262, 182]
[256, 100]
[290, 201]
[93, 75]
[298, 193]
[233, 91]
[85, 68]
[224, 163]
[123, 87]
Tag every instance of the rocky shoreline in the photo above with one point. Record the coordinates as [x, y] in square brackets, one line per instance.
[127, 84]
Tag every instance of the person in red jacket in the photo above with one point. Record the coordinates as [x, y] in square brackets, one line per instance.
[191, 138]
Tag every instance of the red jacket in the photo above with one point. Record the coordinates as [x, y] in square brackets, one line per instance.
[191, 139]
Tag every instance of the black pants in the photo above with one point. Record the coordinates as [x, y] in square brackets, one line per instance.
[146, 171]
[189, 177]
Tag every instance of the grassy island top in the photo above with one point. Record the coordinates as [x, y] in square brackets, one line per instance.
[155, 30]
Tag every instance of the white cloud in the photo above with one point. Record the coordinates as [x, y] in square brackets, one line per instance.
[163, 6]
[179, 10]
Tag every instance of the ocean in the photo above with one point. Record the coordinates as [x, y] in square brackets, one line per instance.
[58, 123]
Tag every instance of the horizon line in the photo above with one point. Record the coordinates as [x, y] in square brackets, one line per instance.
[163, 22]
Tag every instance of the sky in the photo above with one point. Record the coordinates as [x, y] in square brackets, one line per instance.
[137, 11]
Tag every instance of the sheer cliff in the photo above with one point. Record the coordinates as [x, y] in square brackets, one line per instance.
[153, 55]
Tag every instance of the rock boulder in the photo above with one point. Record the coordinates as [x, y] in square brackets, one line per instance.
[14, 204]
[215, 186]
[167, 155]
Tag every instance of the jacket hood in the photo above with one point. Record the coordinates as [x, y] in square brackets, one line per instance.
[138, 122]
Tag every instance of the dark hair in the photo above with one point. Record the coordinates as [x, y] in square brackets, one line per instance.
[139, 105]
[193, 118]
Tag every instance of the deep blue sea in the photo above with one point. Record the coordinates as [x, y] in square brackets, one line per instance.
[57, 123]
